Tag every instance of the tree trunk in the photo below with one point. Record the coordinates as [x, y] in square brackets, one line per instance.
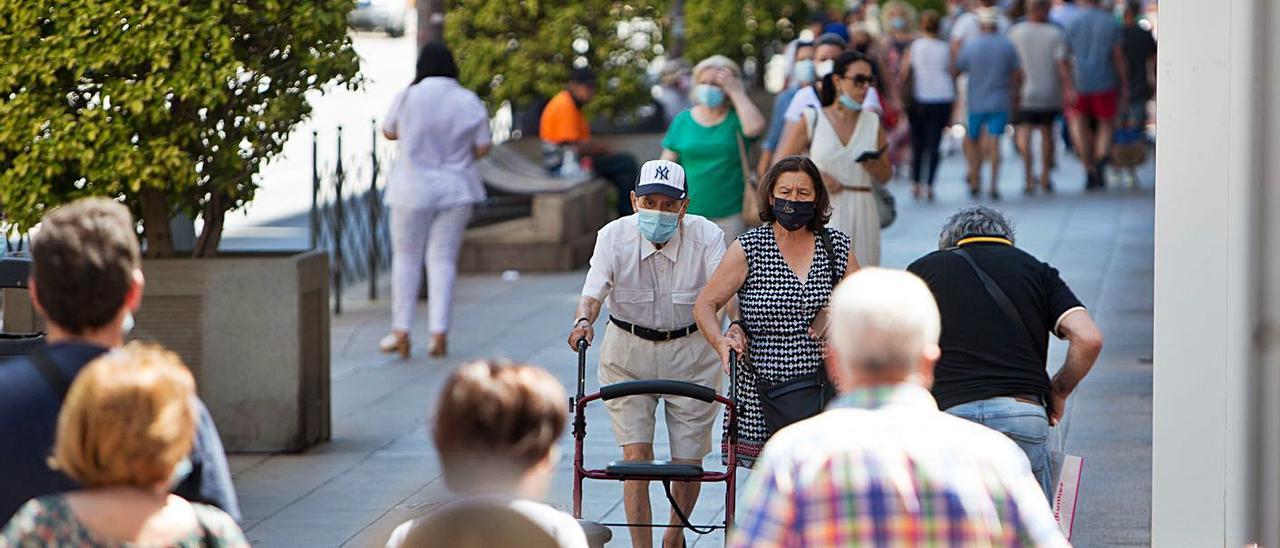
[675, 49]
[214, 215]
[155, 223]
[430, 21]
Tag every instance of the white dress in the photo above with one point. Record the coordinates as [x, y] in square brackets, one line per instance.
[854, 212]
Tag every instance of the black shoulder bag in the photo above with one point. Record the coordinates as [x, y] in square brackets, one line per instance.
[796, 399]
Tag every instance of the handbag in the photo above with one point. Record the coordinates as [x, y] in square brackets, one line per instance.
[750, 198]
[794, 400]
[886, 205]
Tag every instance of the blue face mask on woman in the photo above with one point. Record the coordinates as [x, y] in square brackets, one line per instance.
[848, 102]
[709, 95]
[657, 226]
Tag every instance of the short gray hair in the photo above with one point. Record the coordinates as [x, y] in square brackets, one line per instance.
[975, 221]
[882, 321]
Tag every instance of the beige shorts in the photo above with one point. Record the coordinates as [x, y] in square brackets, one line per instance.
[626, 357]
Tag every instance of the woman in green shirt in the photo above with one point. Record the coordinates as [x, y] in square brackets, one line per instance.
[704, 140]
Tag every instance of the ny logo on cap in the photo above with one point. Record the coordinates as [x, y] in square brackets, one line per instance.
[662, 172]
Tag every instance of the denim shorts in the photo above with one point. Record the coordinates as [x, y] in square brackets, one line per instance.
[1025, 423]
[994, 123]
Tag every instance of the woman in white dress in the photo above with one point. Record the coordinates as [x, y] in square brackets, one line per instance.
[847, 143]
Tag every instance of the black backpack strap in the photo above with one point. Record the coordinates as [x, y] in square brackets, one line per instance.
[49, 370]
[1002, 299]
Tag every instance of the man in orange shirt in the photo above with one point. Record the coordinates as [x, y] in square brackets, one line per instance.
[563, 127]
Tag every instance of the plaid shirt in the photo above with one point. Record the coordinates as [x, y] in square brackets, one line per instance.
[882, 466]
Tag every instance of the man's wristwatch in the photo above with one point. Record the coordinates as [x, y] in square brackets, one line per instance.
[580, 320]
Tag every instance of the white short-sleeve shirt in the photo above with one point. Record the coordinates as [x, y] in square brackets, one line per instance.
[438, 123]
[651, 287]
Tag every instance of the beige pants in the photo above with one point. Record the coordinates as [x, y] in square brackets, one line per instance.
[626, 357]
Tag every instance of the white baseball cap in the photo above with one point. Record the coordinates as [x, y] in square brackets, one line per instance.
[661, 177]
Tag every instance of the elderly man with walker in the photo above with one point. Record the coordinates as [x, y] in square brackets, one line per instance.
[649, 268]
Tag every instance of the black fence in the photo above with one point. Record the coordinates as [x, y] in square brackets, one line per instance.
[348, 218]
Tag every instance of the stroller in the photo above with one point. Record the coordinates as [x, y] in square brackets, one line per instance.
[657, 470]
[14, 272]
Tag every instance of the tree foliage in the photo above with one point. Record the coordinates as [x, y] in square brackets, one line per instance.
[169, 105]
[522, 50]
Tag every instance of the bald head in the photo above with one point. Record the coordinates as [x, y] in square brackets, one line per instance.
[884, 327]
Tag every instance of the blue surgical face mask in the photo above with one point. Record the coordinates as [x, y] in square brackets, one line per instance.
[709, 95]
[898, 23]
[849, 103]
[657, 226]
[803, 72]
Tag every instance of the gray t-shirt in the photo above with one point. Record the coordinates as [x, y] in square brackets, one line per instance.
[990, 61]
[1041, 46]
[1092, 39]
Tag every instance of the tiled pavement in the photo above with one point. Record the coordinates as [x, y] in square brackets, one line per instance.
[380, 469]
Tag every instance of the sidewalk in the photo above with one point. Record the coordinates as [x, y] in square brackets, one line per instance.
[380, 469]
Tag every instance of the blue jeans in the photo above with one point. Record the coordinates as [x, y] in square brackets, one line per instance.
[1025, 423]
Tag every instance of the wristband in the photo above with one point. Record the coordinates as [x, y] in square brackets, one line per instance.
[580, 320]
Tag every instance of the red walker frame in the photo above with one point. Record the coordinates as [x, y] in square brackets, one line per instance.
[668, 387]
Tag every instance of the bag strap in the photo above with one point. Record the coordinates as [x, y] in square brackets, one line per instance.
[825, 237]
[993, 289]
[811, 122]
[49, 370]
[742, 160]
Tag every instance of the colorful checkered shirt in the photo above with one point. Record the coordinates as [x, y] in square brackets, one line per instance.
[883, 467]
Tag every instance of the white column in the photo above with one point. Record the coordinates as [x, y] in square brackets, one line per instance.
[1208, 164]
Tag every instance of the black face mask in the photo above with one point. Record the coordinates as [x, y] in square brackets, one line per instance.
[793, 215]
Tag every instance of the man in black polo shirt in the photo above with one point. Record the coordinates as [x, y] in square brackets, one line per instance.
[999, 304]
[86, 283]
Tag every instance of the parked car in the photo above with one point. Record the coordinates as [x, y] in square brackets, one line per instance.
[388, 15]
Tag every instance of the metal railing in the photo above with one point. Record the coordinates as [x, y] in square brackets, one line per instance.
[348, 218]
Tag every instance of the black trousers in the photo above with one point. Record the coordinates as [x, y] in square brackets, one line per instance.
[927, 122]
[622, 170]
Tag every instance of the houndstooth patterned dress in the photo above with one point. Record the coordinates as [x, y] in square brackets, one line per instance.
[777, 309]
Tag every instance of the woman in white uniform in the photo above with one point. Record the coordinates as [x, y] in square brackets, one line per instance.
[847, 143]
[443, 128]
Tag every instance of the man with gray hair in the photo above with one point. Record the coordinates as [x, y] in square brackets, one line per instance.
[999, 304]
[882, 465]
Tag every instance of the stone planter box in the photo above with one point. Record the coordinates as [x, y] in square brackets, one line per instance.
[559, 235]
[254, 329]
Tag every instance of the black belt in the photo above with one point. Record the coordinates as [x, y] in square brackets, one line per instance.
[653, 334]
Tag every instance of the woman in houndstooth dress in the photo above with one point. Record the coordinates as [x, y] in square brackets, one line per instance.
[778, 297]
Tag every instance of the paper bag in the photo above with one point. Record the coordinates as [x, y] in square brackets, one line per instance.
[1067, 493]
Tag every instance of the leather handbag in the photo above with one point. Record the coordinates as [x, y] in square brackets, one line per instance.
[794, 400]
[750, 199]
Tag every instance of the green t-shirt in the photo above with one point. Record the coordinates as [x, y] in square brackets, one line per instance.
[709, 156]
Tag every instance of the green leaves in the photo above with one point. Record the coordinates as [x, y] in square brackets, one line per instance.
[111, 96]
[523, 50]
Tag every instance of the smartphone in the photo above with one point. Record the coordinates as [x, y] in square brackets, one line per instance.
[872, 154]
[821, 321]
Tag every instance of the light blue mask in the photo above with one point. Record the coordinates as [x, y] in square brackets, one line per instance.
[657, 226]
[180, 473]
[709, 95]
[849, 103]
[803, 72]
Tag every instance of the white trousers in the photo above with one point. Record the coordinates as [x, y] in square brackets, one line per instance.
[432, 237]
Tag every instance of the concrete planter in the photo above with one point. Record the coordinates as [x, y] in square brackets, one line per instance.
[254, 329]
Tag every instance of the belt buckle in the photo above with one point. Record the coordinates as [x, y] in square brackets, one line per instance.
[668, 335]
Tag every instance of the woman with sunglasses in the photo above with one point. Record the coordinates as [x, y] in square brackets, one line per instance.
[847, 144]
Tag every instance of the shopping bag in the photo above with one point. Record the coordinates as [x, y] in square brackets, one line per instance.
[1067, 493]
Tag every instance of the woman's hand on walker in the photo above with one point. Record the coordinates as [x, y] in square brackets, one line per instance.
[724, 345]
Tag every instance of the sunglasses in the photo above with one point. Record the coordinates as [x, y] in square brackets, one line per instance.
[862, 80]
